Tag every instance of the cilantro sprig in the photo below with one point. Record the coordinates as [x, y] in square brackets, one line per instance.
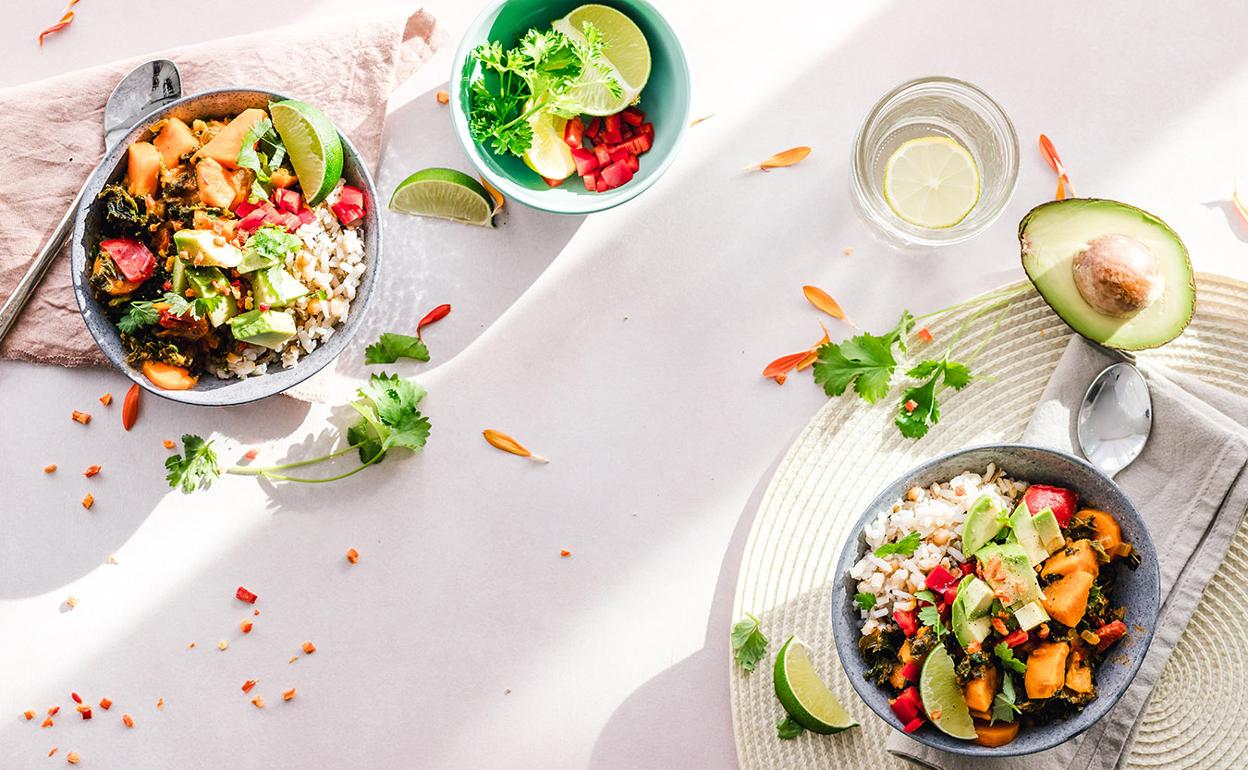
[749, 644]
[262, 152]
[1005, 654]
[1003, 705]
[864, 600]
[391, 347]
[389, 419]
[905, 546]
[930, 616]
[787, 729]
[141, 313]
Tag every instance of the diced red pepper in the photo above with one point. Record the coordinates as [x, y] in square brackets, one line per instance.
[601, 184]
[591, 182]
[968, 568]
[347, 213]
[252, 220]
[611, 123]
[1110, 633]
[287, 200]
[911, 671]
[573, 132]
[352, 196]
[552, 182]
[244, 208]
[907, 621]
[586, 161]
[592, 129]
[242, 594]
[908, 706]
[633, 116]
[1061, 501]
[618, 154]
[1017, 638]
[616, 174]
[133, 259]
[602, 154]
[639, 144]
[939, 578]
[949, 593]
[632, 163]
[307, 216]
[647, 129]
[913, 725]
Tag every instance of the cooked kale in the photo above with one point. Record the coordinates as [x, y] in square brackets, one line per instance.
[139, 349]
[1081, 529]
[922, 644]
[124, 214]
[971, 667]
[879, 650]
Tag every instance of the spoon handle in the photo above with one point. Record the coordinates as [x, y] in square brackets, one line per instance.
[26, 287]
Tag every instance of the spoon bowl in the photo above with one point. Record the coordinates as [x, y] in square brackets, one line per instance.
[1115, 418]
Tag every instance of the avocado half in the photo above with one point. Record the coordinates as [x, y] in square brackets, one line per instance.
[1054, 234]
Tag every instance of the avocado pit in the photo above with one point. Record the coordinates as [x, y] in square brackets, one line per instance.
[1117, 275]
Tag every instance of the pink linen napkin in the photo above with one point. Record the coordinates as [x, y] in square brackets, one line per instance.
[347, 67]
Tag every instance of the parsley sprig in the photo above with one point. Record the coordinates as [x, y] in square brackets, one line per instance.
[389, 419]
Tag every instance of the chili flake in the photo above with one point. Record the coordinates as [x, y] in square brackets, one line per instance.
[245, 626]
[169, 444]
[88, 501]
[160, 704]
[256, 613]
[106, 399]
[250, 454]
[242, 594]
[565, 553]
[910, 405]
[52, 711]
[353, 556]
[293, 658]
[127, 720]
[442, 96]
[308, 648]
[258, 702]
[925, 334]
[47, 722]
[106, 704]
[92, 471]
[289, 694]
[190, 646]
[29, 715]
[77, 698]
[72, 757]
[70, 602]
[53, 751]
[250, 683]
[49, 468]
[85, 711]
[80, 417]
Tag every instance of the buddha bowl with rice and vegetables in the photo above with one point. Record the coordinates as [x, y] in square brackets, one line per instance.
[997, 601]
[230, 240]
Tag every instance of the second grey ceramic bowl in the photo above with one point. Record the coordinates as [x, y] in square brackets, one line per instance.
[211, 391]
[1139, 590]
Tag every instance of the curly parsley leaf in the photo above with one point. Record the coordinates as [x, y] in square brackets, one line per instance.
[1003, 705]
[392, 347]
[749, 644]
[864, 600]
[787, 729]
[195, 468]
[1006, 655]
[905, 546]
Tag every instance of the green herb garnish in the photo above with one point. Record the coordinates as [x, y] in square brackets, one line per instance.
[930, 616]
[1003, 707]
[864, 600]
[1006, 655]
[195, 468]
[905, 546]
[787, 729]
[252, 155]
[392, 347]
[138, 314]
[749, 645]
[272, 245]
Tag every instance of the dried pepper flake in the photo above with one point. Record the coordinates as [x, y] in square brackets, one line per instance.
[106, 704]
[848, 251]
[29, 715]
[289, 694]
[353, 556]
[433, 316]
[66, 18]
[788, 157]
[925, 334]
[242, 594]
[106, 399]
[53, 751]
[130, 407]
[223, 645]
[70, 602]
[250, 454]
[1051, 157]
[169, 444]
[92, 471]
[80, 417]
[52, 711]
[823, 301]
[88, 501]
[85, 711]
[160, 704]
[127, 720]
[250, 683]
[47, 722]
[190, 646]
[910, 405]
[308, 648]
[258, 702]
[293, 658]
[245, 626]
[49, 468]
[77, 698]
[565, 553]
[72, 757]
[502, 441]
[442, 96]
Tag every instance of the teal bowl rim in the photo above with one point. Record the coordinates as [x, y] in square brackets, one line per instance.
[580, 204]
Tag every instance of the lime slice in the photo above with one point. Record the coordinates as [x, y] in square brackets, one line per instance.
[931, 182]
[624, 46]
[313, 146]
[549, 155]
[942, 697]
[804, 695]
[444, 193]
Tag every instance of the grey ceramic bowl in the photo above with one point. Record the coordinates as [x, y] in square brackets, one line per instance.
[1138, 590]
[211, 391]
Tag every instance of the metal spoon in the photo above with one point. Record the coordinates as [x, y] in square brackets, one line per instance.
[1115, 418]
[147, 88]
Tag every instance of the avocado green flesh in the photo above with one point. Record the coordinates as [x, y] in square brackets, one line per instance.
[276, 287]
[204, 280]
[971, 604]
[1025, 534]
[1008, 570]
[1048, 530]
[1052, 235]
[982, 523]
[203, 251]
[266, 328]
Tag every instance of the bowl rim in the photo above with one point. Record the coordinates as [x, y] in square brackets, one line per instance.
[301, 371]
[580, 204]
[851, 551]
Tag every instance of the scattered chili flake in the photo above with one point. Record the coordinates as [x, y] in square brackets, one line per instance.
[242, 594]
[88, 501]
[169, 444]
[127, 720]
[80, 417]
[47, 722]
[308, 648]
[293, 658]
[53, 751]
[190, 646]
[52, 711]
[106, 704]
[77, 698]
[29, 715]
[72, 757]
[925, 334]
[258, 702]
[92, 471]
[106, 399]
[353, 556]
[71, 602]
[245, 626]
[85, 711]
[910, 405]
[250, 454]
[256, 613]
[289, 694]
[130, 407]
[442, 96]
[111, 559]
[565, 553]
[250, 683]
[160, 704]
[49, 468]
[502, 441]
[433, 316]
[223, 645]
[848, 251]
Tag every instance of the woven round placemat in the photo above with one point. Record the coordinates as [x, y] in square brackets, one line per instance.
[849, 451]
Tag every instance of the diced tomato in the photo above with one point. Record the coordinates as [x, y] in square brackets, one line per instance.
[1017, 638]
[347, 214]
[552, 182]
[591, 182]
[592, 129]
[133, 259]
[1061, 501]
[907, 621]
[601, 184]
[908, 706]
[244, 208]
[306, 216]
[639, 144]
[633, 116]
[618, 154]
[611, 123]
[632, 163]
[242, 594]
[1110, 633]
[602, 154]
[627, 132]
[586, 161]
[616, 174]
[939, 578]
[573, 132]
[287, 200]
[647, 129]
[913, 725]
[353, 196]
[911, 671]
[612, 137]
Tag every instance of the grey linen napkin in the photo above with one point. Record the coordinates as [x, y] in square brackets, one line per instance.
[1191, 488]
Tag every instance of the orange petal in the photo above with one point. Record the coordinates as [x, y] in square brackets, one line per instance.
[783, 365]
[696, 121]
[1049, 152]
[1238, 203]
[781, 159]
[502, 441]
[499, 200]
[810, 358]
[823, 301]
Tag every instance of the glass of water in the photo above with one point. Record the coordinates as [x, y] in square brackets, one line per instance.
[935, 107]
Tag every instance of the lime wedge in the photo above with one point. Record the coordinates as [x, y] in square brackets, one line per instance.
[624, 46]
[931, 182]
[444, 193]
[804, 695]
[549, 155]
[942, 697]
[313, 146]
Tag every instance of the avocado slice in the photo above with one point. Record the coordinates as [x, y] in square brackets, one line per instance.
[1030, 615]
[1025, 534]
[177, 276]
[1116, 274]
[970, 609]
[1049, 531]
[206, 282]
[1009, 572]
[276, 287]
[983, 522]
[266, 328]
[204, 248]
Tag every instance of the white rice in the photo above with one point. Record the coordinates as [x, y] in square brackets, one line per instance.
[330, 264]
[936, 513]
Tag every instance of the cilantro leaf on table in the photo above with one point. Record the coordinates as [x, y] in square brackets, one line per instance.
[391, 347]
[864, 600]
[787, 729]
[865, 361]
[1005, 654]
[1003, 704]
[196, 468]
[919, 409]
[749, 644]
[389, 417]
[905, 546]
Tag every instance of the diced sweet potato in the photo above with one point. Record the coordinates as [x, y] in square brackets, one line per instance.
[215, 188]
[1066, 599]
[173, 141]
[282, 178]
[224, 147]
[142, 169]
[984, 715]
[904, 654]
[1078, 672]
[1076, 557]
[896, 679]
[240, 179]
[997, 734]
[167, 376]
[1108, 533]
[1046, 669]
[980, 691]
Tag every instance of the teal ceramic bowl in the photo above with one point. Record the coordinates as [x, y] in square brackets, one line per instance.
[665, 100]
